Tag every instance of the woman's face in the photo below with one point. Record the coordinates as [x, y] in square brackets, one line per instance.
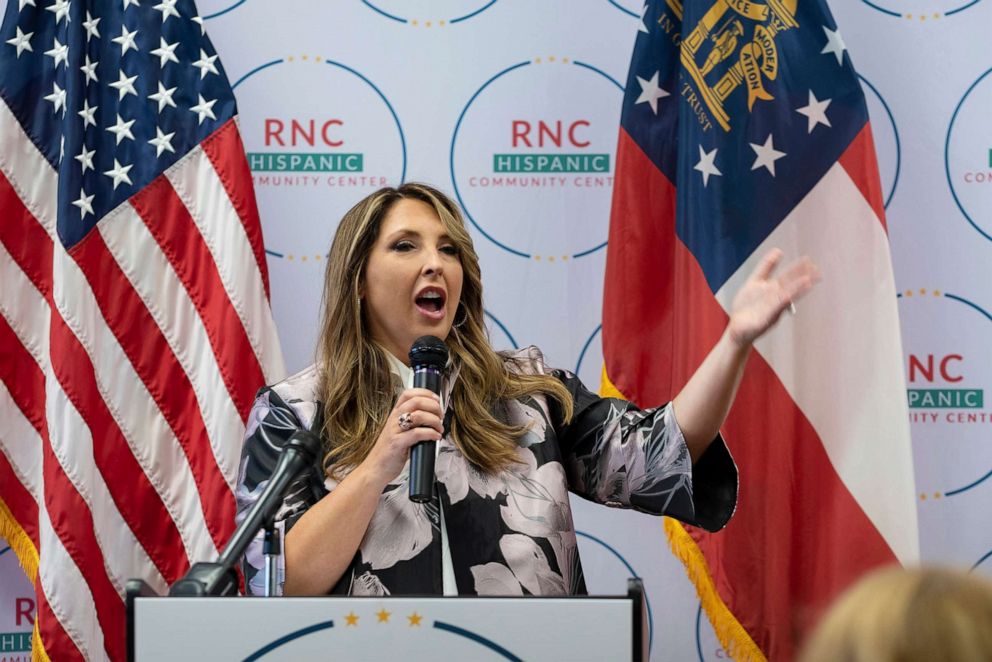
[413, 278]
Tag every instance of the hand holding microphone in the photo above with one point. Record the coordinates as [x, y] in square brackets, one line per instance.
[414, 425]
[420, 409]
[428, 357]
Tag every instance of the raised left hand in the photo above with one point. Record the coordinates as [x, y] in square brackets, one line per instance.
[764, 296]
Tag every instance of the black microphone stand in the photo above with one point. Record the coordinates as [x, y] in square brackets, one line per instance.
[219, 578]
[272, 549]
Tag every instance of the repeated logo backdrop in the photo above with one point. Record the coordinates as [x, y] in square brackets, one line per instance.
[513, 108]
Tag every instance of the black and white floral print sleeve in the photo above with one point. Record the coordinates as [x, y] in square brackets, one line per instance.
[271, 422]
[619, 455]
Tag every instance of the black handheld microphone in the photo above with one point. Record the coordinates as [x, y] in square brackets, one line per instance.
[428, 357]
[219, 578]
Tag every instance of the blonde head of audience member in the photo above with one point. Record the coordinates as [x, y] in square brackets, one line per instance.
[900, 615]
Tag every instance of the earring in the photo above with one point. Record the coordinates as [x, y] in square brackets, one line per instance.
[464, 317]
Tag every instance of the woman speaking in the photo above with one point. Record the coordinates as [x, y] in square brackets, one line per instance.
[513, 435]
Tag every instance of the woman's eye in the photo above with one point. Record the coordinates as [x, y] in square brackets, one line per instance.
[403, 246]
[449, 250]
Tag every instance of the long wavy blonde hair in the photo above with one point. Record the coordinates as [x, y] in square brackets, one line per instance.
[355, 382]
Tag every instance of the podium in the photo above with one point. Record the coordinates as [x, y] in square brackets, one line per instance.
[434, 629]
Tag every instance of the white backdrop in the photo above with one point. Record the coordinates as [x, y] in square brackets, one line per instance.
[449, 91]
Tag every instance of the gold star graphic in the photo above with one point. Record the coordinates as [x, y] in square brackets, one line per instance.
[383, 615]
[351, 619]
[415, 619]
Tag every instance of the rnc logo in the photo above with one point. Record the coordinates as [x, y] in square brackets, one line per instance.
[316, 123]
[948, 368]
[310, 133]
[532, 157]
[546, 134]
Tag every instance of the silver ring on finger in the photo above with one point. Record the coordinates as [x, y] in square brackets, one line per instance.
[405, 421]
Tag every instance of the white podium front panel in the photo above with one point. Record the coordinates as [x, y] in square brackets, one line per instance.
[382, 629]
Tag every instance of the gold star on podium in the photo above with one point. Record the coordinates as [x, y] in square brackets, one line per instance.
[415, 619]
[383, 615]
[351, 619]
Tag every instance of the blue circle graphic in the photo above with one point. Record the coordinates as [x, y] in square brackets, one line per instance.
[699, 633]
[699, 637]
[989, 473]
[477, 638]
[364, 79]
[292, 636]
[899, 14]
[227, 9]
[582, 354]
[633, 573]
[388, 105]
[895, 131]
[454, 140]
[947, 155]
[623, 9]
[502, 327]
[986, 315]
[327, 625]
[400, 19]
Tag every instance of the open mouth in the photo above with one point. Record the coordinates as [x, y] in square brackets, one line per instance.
[430, 302]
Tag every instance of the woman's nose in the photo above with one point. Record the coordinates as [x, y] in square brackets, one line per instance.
[432, 263]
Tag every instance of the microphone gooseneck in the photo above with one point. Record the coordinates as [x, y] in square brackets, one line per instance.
[219, 578]
[299, 453]
[428, 357]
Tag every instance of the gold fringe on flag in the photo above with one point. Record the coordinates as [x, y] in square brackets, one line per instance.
[606, 387]
[38, 652]
[19, 541]
[732, 635]
[27, 556]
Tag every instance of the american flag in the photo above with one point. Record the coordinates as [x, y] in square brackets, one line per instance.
[135, 325]
[744, 127]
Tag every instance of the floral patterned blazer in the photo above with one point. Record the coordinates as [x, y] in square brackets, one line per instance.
[509, 533]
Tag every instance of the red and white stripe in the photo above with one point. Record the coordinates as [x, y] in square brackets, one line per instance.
[819, 428]
[129, 364]
[840, 357]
